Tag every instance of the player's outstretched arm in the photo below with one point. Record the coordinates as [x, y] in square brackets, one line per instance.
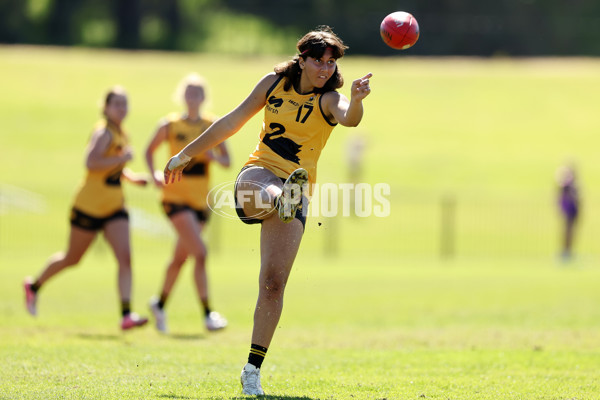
[159, 136]
[136, 178]
[220, 154]
[221, 129]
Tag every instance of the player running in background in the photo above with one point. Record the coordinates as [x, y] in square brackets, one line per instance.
[301, 108]
[185, 203]
[100, 206]
[569, 204]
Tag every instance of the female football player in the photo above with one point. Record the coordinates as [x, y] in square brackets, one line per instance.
[301, 108]
[185, 203]
[99, 206]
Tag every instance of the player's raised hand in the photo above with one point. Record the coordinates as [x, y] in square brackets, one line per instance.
[175, 166]
[127, 154]
[158, 179]
[361, 87]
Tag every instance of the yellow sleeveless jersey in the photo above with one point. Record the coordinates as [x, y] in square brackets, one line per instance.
[193, 187]
[293, 134]
[101, 194]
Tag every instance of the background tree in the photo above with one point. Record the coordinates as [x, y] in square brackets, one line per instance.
[448, 27]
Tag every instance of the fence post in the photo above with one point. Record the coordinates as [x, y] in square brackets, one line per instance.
[448, 226]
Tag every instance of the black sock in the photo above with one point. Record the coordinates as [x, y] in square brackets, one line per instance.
[35, 287]
[257, 355]
[205, 306]
[125, 308]
[162, 301]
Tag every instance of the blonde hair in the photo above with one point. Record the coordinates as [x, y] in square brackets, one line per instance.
[191, 79]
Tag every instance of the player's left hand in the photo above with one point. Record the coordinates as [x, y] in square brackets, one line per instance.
[158, 179]
[141, 180]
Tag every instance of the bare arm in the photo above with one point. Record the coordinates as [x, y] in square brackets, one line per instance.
[223, 128]
[98, 145]
[134, 177]
[220, 154]
[159, 137]
[348, 113]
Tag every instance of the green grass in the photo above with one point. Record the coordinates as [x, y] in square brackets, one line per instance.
[469, 331]
[371, 312]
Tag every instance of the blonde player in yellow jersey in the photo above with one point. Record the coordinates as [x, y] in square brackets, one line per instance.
[100, 206]
[185, 203]
[301, 107]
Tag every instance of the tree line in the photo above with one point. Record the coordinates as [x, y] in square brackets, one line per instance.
[448, 27]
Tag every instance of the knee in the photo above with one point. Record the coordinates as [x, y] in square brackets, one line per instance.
[199, 253]
[68, 259]
[177, 263]
[273, 286]
[179, 258]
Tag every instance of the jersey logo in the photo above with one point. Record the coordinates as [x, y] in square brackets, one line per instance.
[180, 137]
[282, 146]
[275, 101]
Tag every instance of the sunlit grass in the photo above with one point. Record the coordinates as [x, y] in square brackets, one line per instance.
[372, 310]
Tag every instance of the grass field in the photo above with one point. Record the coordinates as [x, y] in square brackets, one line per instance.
[372, 311]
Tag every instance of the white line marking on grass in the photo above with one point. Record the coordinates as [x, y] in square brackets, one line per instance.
[15, 200]
[150, 224]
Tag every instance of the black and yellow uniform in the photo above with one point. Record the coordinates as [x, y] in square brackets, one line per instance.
[293, 134]
[191, 191]
[100, 197]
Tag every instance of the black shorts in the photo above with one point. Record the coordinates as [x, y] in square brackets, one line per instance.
[171, 209]
[249, 220]
[87, 222]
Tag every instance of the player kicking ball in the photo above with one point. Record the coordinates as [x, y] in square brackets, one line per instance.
[301, 107]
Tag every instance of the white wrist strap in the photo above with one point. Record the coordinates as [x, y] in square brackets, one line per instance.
[178, 160]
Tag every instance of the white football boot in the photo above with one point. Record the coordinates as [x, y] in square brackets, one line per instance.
[215, 321]
[290, 200]
[250, 379]
[160, 317]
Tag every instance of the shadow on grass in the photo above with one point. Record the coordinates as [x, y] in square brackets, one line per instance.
[174, 396]
[269, 397]
[187, 336]
[99, 336]
[241, 397]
